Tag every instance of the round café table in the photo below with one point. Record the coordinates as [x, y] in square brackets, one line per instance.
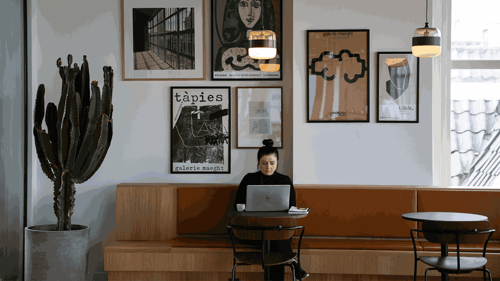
[277, 272]
[443, 217]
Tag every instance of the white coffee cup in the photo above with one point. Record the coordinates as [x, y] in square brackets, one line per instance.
[240, 207]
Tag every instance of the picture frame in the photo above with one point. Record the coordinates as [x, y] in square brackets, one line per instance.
[229, 38]
[200, 130]
[338, 75]
[259, 116]
[397, 87]
[163, 40]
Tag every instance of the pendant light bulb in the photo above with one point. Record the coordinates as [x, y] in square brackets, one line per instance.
[426, 41]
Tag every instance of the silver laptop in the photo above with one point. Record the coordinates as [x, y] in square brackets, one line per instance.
[267, 198]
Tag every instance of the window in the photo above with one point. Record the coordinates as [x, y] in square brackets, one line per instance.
[172, 37]
[473, 68]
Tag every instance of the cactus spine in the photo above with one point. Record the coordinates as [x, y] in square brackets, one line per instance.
[79, 132]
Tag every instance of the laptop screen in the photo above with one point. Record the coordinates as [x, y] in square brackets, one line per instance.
[268, 198]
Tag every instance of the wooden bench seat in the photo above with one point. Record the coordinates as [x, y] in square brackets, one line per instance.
[307, 243]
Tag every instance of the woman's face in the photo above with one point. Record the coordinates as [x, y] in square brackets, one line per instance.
[268, 164]
[249, 11]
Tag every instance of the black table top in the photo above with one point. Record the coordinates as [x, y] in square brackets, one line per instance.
[443, 216]
[284, 214]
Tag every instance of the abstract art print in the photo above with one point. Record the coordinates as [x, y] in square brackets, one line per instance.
[397, 87]
[200, 130]
[259, 111]
[232, 22]
[163, 40]
[338, 75]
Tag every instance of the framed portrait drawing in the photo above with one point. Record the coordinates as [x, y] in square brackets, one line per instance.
[338, 75]
[260, 116]
[397, 87]
[163, 40]
[232, 22]
[200, 137]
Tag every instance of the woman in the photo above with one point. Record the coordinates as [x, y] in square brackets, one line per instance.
[267, 158]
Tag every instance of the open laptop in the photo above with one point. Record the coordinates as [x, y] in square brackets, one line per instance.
[267, 198]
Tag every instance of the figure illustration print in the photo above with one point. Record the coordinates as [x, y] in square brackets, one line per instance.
[232, 22]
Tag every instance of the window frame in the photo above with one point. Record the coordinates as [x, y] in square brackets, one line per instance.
[441, 102]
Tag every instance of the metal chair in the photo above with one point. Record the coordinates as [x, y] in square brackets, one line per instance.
[457, 233]
[263, 256]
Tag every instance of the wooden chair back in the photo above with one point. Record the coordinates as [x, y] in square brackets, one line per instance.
[268, 235]
[452, 228]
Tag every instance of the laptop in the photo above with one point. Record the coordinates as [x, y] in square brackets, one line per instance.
[267, 198]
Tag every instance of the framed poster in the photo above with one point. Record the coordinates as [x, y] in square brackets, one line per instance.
[259, 116]
[200, 130]
[338, 75]
[163, 40]
[397, 87]
[232, 22]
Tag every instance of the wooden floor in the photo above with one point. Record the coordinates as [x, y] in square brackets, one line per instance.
[246, 276]
[149, 61]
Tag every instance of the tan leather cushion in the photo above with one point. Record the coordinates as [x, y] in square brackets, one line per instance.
[203, 210]
[356, 212]
[493, 247]
[307, 243]
[480, 202]
[356, 244]
[204, 242]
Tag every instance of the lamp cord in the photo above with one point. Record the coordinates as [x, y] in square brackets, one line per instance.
[426, 9]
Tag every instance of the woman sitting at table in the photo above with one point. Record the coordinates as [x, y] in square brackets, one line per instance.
[267, 158]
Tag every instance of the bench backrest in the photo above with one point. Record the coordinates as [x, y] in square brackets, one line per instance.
[163, 211]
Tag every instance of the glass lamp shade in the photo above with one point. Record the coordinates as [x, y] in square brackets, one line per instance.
[426, 42]
[262, 44]
[270, 67]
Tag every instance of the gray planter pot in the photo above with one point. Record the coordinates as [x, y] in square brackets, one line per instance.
[56, 255]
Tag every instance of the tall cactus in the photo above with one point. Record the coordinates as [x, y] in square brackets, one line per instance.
[79, 132]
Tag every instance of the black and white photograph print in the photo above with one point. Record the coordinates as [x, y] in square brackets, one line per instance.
[200, 135]
[397, 87]
[163, 40]
[232, 22]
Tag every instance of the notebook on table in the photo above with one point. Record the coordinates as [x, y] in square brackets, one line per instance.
[267, 198]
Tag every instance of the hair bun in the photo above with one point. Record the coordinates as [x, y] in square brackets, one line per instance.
[268, 143]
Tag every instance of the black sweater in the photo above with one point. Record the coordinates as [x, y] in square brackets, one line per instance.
[258, 178]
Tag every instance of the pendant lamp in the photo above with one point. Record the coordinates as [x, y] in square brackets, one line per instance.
[426, 40]
[262, 44]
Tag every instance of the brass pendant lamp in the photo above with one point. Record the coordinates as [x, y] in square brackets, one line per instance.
[426, 40]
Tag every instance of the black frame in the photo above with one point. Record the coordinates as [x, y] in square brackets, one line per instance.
[417, 105]
[227, 139]
[365, 68]
[213, 37]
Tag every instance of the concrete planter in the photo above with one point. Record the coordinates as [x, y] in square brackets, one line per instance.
[56, 255]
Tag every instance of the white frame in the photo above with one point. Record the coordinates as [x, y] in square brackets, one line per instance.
[128, 71]
[269, 95]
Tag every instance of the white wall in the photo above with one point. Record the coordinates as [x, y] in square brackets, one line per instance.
[361, 153]
[140, 148]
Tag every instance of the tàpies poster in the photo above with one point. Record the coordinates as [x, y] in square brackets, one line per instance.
[200, 130]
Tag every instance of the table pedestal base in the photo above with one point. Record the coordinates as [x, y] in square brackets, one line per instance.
[444, 253]
[273, 273]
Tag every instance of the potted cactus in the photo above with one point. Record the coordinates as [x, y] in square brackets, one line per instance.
[79, 132]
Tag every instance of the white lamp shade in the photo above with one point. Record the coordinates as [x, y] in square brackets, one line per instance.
[262, 53]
